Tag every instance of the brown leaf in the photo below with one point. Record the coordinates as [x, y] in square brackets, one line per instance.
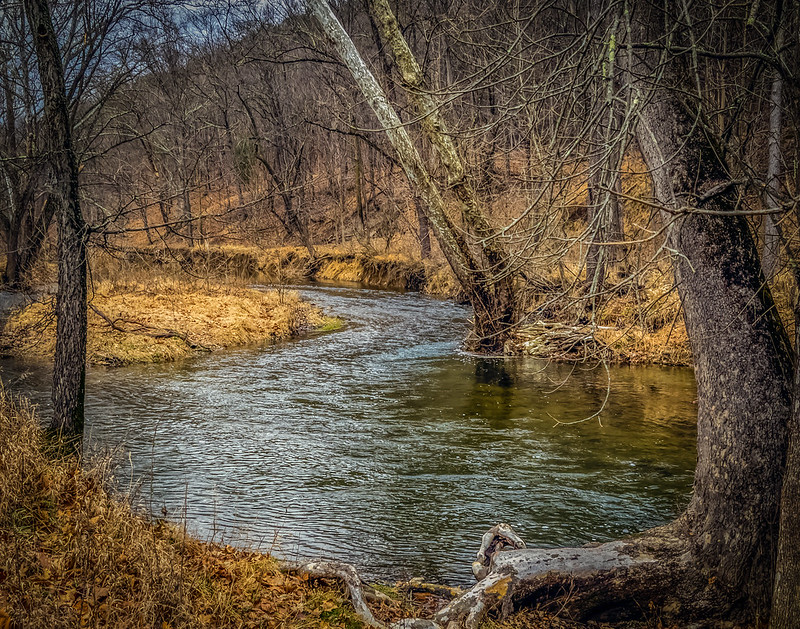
[45, 560]
[329, 606]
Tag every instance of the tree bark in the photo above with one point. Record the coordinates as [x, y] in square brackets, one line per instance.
[786, 595]
[743, 361]
[771, 252]
[69, 371]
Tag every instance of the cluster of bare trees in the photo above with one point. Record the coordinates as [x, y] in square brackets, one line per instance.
[509, 130]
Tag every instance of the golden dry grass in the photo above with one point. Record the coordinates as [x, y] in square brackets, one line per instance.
[351, 263]
[166, 319]
[635, 322]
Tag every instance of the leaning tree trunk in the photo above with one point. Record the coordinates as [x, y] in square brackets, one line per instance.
[492, 292]
[773, 189]
[70, 356]
[490, 296]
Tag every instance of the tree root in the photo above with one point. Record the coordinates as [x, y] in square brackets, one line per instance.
[359, 591]
[499, 537]
[615, 581]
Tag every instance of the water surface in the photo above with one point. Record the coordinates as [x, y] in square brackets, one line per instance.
[385, 445]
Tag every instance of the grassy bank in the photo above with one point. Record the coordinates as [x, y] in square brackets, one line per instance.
[74, 555]
[227, 263]
[638, 323]
[166, 319]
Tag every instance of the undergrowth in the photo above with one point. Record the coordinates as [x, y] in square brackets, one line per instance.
[131, 321]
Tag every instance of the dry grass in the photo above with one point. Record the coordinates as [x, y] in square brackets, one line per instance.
[396, 270]
[167, 319]
[636, 322]
[237, 264]
[74, 555]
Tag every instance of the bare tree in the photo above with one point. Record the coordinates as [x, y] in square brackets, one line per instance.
[69, 372]
[480, 265]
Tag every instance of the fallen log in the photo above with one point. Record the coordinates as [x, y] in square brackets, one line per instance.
[615, 581]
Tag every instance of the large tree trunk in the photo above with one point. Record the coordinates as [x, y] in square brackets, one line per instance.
[493, 290]
[70, 356]
[481, 266]
[742, 356]
[786, 595]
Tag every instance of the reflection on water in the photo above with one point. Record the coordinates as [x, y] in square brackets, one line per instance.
[385, 445]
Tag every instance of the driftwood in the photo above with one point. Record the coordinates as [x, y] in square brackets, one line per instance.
[359, 591]
[558, 341]
[497, 538]
[605, 582]
[146, 330]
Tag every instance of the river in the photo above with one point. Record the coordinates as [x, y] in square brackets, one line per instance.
[383, 444]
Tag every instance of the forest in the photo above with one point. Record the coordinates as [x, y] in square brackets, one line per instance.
[400, 281]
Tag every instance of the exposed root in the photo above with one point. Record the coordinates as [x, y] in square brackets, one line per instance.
[348, 575]
[613, 581]
[499, 537]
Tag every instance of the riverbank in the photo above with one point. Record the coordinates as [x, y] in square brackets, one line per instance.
[280, 265]
[166, 319]
[74, 553]
[637, 323]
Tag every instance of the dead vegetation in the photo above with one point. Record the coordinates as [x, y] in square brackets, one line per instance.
[166, 319]
[74, 555]
[233, 263]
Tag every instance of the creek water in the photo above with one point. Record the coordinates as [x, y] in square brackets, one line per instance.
[385, 445]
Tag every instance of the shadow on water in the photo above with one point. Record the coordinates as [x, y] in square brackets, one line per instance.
[385, 445]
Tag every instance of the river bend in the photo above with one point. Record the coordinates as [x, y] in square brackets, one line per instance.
[385, 445]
